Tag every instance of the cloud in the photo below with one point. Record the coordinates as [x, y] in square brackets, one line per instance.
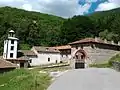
[108, 5]
[63, 8]
[27, 7]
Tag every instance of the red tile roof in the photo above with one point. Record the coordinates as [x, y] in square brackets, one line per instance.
[6, 64]
[27, 52]
[46, 49]
[63, 47]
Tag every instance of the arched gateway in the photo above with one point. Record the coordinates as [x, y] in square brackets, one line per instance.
[79, 57]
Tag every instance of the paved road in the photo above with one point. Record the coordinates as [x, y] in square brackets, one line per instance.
[88, 79]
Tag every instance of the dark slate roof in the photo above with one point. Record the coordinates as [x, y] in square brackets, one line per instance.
[6, 64]
[46, 49]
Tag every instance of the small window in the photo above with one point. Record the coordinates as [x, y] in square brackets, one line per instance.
[48, 59]
[11, 55]
[93, 46]
[12, 47]
[66, 55]
[12, 41]
[56, 61]
[81, 46]
[76, 47]
[76, 56]
[30, 61]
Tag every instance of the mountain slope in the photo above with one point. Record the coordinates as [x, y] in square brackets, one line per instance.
[31, 28]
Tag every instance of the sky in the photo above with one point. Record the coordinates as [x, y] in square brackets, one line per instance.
[63, 8]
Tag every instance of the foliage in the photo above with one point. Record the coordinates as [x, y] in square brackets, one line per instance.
[108, 35]
[105, 65]
[33, 28]
[76, 28]
[22, 79]
[114, 58]
[24, 47]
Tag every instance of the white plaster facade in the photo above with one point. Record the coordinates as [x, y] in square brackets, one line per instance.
[65, 58]
[44, 58]
[10, 47]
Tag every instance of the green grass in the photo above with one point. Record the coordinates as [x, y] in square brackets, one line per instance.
[23, 79]
[105, 65]
[115, 58]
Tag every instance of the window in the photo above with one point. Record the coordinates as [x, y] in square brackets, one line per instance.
[93, 46]
[81, 46]
[76, 47]
[48, 59]
[66, 55]
[11, 55]
[12, 47]
[76, 56]
[12, 41]
[56, 61]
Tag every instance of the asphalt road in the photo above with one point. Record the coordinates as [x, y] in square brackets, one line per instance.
[88, 79]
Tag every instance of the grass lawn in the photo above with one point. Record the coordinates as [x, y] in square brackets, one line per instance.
[24, 79]
[105, 65]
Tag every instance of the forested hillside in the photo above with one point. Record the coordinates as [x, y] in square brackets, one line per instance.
[33, 28]
[104, 24]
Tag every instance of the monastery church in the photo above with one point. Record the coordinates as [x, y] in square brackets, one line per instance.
[78, 54]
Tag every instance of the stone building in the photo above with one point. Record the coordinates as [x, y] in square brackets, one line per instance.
[92, 50]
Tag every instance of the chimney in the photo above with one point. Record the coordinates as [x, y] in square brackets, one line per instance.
[112, 42]
[118, 42]
[105, 40]
[96, 39]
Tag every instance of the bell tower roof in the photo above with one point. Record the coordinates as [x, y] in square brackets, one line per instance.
[11, 35]
[11, 31]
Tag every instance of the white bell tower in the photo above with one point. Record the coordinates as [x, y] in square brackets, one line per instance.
[10, 46]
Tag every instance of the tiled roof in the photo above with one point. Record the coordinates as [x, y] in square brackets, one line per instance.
[87, 40]
[63, 47]
[46, 49]
[28, 52]
[23, 58]
[6, 64]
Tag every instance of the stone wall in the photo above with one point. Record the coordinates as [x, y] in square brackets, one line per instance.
[116, 65]
[97, 53]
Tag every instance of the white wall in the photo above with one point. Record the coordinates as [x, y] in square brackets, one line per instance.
[12, 51]
[65, 57]
[43, 59]
[7, 49]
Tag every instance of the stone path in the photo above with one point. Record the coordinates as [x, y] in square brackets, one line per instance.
[88, 79]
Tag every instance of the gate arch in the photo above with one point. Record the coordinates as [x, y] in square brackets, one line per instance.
[80, 56]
